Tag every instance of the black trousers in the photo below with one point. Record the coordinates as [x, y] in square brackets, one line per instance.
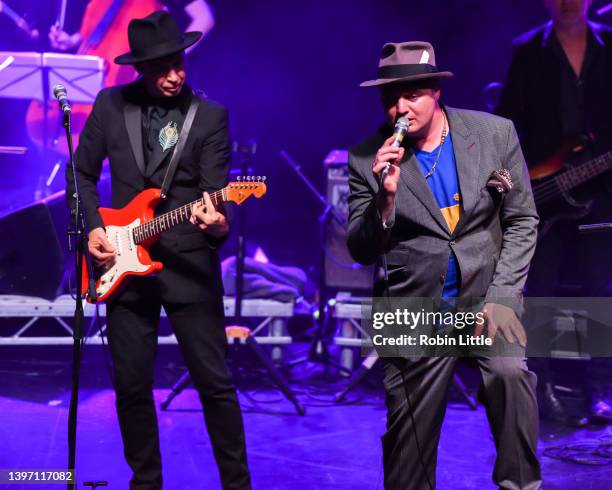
[199, 328]
[511, 409]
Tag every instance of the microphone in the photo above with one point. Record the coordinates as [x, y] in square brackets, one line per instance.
[401, 127]
[60, 94]
[400, 130]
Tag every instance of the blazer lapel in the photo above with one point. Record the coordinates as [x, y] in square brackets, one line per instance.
[133, 124]
[467, 155]
[412, 177]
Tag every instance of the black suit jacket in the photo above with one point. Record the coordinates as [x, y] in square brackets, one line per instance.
[114, 129]
[533, 92]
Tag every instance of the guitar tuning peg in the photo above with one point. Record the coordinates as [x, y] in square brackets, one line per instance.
[239, 178]
[264, 178]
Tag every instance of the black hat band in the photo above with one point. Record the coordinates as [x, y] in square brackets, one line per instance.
[160, 50]
[401, 71]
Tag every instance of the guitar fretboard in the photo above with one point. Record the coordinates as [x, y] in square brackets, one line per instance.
[583, 173]
[172, 218]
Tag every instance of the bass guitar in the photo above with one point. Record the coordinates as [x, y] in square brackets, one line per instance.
[554, 180]
[133, 229]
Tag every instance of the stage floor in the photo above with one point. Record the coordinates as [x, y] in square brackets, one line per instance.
[332, 447]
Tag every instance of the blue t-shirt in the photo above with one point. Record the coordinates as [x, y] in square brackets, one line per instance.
[444, 185]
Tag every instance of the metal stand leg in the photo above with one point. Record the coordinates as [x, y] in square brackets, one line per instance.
[277, 329]
[369, 362]
[243, 334]
[346, 353]
[178, 387]
[460, 387]
[275, 374]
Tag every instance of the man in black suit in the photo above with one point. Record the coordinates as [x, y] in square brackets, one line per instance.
[557, 93]
[127, 125]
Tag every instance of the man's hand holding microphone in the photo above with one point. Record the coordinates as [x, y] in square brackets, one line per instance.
[386, 167]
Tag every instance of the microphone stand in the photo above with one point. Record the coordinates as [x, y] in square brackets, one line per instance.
[81, 252]
[318, 351]
[596, 227]
[245, 152]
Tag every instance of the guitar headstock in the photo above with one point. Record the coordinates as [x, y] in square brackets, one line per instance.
[245, 187]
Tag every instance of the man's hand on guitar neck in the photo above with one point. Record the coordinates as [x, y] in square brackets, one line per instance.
[209, 219]
[100, 248]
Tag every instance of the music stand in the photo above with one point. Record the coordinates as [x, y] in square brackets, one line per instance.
[33, 76]
[20, 75]
[83, 76]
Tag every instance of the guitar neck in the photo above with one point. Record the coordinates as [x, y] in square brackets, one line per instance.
[583, 173]
[163, 222]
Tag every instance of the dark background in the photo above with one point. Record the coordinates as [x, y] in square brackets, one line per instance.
[289, 74]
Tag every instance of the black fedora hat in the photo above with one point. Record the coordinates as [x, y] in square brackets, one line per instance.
[155, 36]
[406, 62]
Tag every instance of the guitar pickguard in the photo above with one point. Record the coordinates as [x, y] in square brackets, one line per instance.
[126, 260]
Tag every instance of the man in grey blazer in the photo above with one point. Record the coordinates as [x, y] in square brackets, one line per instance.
[453, 217]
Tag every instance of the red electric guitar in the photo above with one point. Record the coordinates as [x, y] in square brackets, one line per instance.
[132, 230]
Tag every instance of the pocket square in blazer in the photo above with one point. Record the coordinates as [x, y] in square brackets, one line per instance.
[500, 180]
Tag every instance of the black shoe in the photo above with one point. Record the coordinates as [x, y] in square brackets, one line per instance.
[551, 407]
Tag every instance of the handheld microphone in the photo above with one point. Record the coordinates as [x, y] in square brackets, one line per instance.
[400, 130]
[60, 94]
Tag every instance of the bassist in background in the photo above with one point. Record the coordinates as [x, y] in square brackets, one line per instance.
[558, 94]
[137, 126]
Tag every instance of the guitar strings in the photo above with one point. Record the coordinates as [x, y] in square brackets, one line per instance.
[549, 189]
[158, 221]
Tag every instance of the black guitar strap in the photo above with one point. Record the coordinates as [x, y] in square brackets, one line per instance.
[178, 149]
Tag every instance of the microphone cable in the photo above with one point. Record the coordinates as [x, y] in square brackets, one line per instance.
[409, 406]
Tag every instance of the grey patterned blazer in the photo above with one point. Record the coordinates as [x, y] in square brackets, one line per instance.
[496, 234]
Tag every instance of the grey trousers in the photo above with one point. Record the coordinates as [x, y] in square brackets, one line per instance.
[511, 409]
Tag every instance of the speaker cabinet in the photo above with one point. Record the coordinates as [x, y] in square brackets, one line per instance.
[341, 271]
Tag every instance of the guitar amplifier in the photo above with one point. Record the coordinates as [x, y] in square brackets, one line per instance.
[341, 271]
[31, 257]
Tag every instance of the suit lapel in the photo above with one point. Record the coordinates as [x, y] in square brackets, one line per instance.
[133, 124]
[412, 177]
[467, 155]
